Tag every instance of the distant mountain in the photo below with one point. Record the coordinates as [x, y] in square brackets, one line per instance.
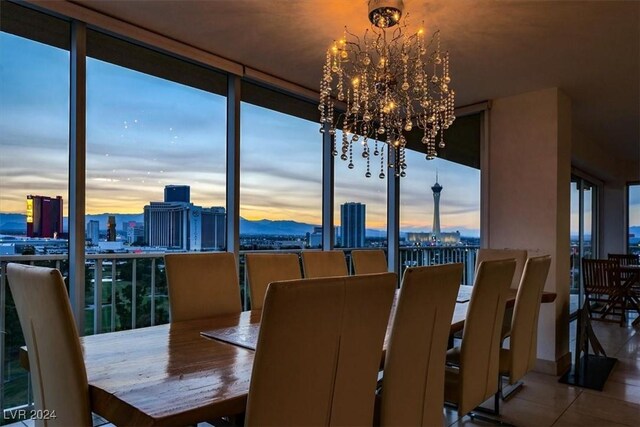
[278, 227]
[12, 222]
[635, 231]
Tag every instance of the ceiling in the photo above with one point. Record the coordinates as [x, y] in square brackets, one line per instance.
[590, 49]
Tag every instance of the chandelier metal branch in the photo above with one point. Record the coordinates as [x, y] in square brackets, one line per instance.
[389, 83]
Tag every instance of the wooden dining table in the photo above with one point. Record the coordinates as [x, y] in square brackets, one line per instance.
[173, 375]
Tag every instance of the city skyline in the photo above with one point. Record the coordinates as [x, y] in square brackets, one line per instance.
[144, 132]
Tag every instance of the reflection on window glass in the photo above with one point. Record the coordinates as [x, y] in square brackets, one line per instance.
[280, 180]
[155, 162]
[634, 219]
[360, 203]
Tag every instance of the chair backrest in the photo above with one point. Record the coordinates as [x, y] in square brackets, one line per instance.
[202, 285]
[413, 383]
[520, 255]
[625, 259]
[524, 325]
[369, 261]
[319, 350]
[480, 348]
[263, 269]
[364, 325]
[600, 276]
[55, 356]
[316, 264]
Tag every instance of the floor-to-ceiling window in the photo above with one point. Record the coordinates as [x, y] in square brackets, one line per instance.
[450, 233]
[34, 159]
[583, 229]
[155, 177]
[633, 218]
[280, 181]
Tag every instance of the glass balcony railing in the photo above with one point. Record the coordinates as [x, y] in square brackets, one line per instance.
[131, 291]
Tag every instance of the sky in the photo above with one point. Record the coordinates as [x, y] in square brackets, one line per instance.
[144, 132]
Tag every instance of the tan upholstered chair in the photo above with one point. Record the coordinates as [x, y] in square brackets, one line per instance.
[520, 255]
[369, 261]
[316, 264]
[475, 378]
[520, 358]
[55, 356]
[413, 383]
[202, 285]
[319, 351]
[263, 269]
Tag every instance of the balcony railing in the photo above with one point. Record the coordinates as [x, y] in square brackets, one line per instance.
[131, 290]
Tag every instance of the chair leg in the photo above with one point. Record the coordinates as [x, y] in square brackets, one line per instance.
[510, 391]
[475, 416]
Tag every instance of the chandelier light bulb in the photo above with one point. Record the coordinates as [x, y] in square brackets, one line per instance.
[400, 84]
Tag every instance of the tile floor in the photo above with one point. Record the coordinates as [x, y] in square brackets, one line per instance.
[544, 402]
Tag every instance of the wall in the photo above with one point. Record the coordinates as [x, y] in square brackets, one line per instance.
[527, 171]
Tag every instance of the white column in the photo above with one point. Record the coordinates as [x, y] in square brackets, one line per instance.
[530, 163]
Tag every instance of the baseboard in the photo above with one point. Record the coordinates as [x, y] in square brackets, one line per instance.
[551, 367]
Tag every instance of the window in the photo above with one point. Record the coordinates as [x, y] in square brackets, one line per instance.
[280, 180]
[360, 203]
[155, 181]
[455, 188]
[34, 140]
[34, 159]
[633, 198]
[583, 229]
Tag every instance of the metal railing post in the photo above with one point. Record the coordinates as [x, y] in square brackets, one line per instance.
[153, 292]
[134, 293]
[97, 296]
[113, 295]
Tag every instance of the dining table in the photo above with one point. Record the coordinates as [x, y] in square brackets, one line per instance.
[174, 374]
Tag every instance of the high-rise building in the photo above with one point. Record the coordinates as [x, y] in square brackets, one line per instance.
[111, 228]
[353, 224]
[167, 225]
[93, 231]
[437, 189]
[44, 216]
[178, 224]
[214, 225]
[133, 232]
[177, 193]
[315, 238]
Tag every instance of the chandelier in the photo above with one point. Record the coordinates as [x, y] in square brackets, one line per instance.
[386, 83]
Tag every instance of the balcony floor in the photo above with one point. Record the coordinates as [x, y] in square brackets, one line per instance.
[543, 401]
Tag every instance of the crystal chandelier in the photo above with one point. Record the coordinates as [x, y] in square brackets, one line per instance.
[387, 83]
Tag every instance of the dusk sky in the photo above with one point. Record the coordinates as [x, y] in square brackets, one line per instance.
[144, 133]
